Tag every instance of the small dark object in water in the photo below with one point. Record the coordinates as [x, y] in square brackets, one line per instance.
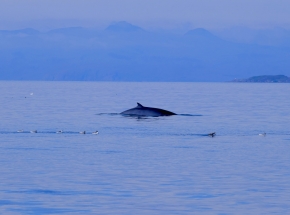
[212, 134]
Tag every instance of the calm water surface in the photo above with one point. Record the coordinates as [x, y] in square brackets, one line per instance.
[163, 165]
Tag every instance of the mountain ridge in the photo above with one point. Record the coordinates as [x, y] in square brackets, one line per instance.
[130, 53]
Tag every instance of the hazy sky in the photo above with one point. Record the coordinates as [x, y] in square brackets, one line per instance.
[45, 14]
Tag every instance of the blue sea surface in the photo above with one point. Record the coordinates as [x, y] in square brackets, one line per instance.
[151, 165]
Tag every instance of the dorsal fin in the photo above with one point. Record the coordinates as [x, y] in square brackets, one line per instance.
[139, 105]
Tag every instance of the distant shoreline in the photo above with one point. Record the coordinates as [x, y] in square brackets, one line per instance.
[254, 79]
[265, 79]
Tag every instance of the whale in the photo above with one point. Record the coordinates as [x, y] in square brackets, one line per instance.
[141, 110]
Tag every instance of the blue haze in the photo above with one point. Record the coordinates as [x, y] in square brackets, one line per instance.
[125, 52]
[164, 165]
[208, 13]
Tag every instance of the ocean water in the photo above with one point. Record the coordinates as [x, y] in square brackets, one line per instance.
[162, 165]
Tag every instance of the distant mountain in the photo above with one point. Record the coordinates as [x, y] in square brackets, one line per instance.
[125, 52]
[206, 44]
[200, 33]
[26, 31]
[266, 79]
[123, 27]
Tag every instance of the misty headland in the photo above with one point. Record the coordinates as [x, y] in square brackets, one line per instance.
[265, 79]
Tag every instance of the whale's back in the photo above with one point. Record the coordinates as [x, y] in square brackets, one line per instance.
[147, 111]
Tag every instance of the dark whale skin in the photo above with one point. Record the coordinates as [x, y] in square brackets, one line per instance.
[141, 110]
